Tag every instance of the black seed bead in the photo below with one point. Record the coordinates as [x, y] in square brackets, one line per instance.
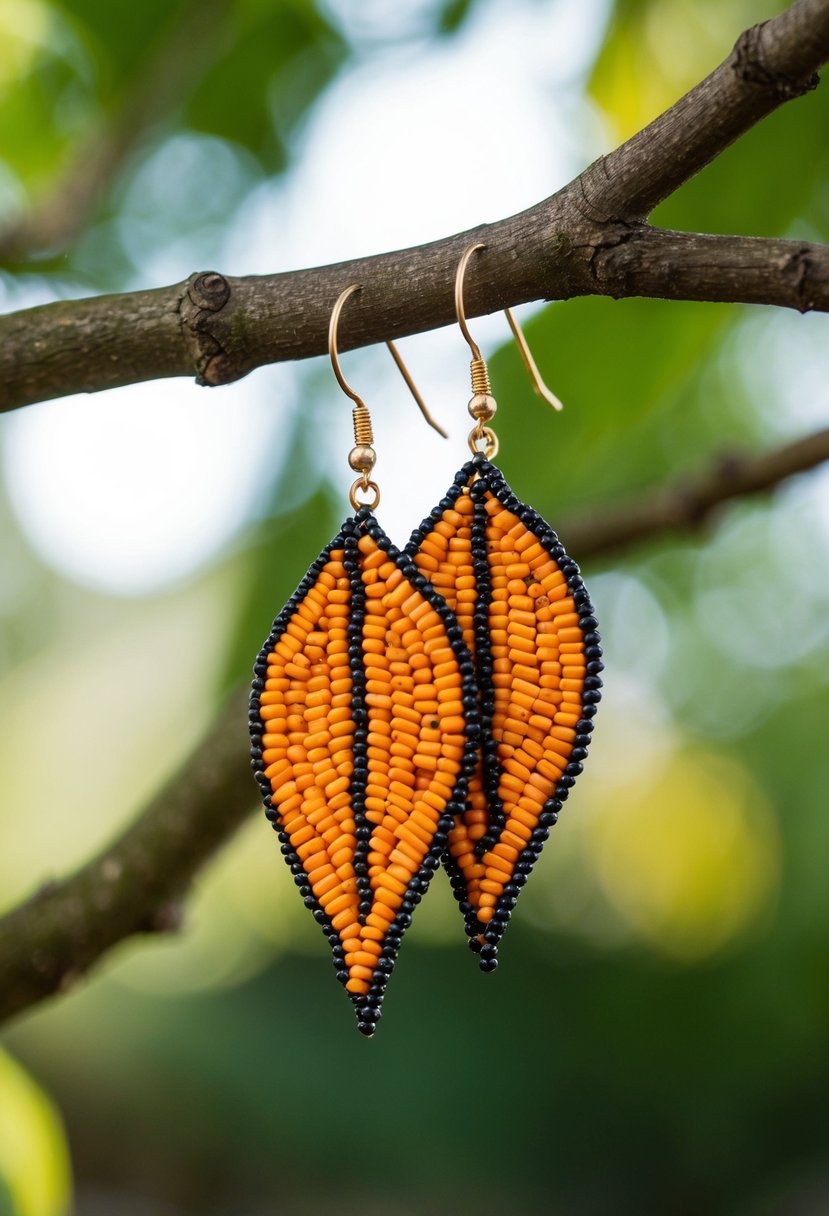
[584, 727]
[343, 976]
[488, 964]
[589, 709]
[319, 916]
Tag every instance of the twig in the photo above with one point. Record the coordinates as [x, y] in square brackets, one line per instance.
[688, 505]
[589, 239]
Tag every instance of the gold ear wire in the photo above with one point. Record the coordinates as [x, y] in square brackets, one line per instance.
[544, 392]
[482, 407]
[404, 372]
[362, 456]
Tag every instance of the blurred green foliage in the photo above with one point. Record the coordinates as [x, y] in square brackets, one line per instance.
[657, 1037]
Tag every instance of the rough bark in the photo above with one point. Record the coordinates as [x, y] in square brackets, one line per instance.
[591, 238]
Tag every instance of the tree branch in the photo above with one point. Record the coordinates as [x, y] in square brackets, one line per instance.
[770, 63]
[135, 886]
[588, 239]
[689, 504]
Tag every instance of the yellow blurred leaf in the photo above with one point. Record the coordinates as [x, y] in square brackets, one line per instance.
[24, 25]
[690, 859]
[656, 52]
[34, 1159]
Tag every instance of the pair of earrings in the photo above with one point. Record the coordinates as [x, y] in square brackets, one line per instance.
[423, 706]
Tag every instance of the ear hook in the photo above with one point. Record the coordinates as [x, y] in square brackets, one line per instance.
[362, 456]
[545, 393]
[478, 364]
[405, 373]
[395, 354]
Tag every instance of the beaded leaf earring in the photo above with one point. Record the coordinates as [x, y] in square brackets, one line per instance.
[363, 721]
[528, 621]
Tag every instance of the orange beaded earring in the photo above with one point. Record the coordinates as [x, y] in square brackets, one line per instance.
[527, 619]
[363, 720]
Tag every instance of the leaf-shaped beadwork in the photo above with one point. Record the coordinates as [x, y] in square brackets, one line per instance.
[528, 621]
[362, 718]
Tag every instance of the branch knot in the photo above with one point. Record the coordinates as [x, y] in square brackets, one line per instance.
[750, 65]
[205, 296]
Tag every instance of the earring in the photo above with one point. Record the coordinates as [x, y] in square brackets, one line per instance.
[363, 721]
[527, 619]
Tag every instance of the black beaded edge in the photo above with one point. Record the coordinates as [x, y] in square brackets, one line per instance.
[457, 881]
[359, 715]
[491, 768]
[368, 1006]
[255, 723]
[496, 483]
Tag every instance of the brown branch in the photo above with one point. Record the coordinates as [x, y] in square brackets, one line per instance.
[167, 76]
[688, 505]
[589, 239]
[770, 63]
[135, 886]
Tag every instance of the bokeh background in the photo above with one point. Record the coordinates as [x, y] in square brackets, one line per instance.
[657, 1036]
